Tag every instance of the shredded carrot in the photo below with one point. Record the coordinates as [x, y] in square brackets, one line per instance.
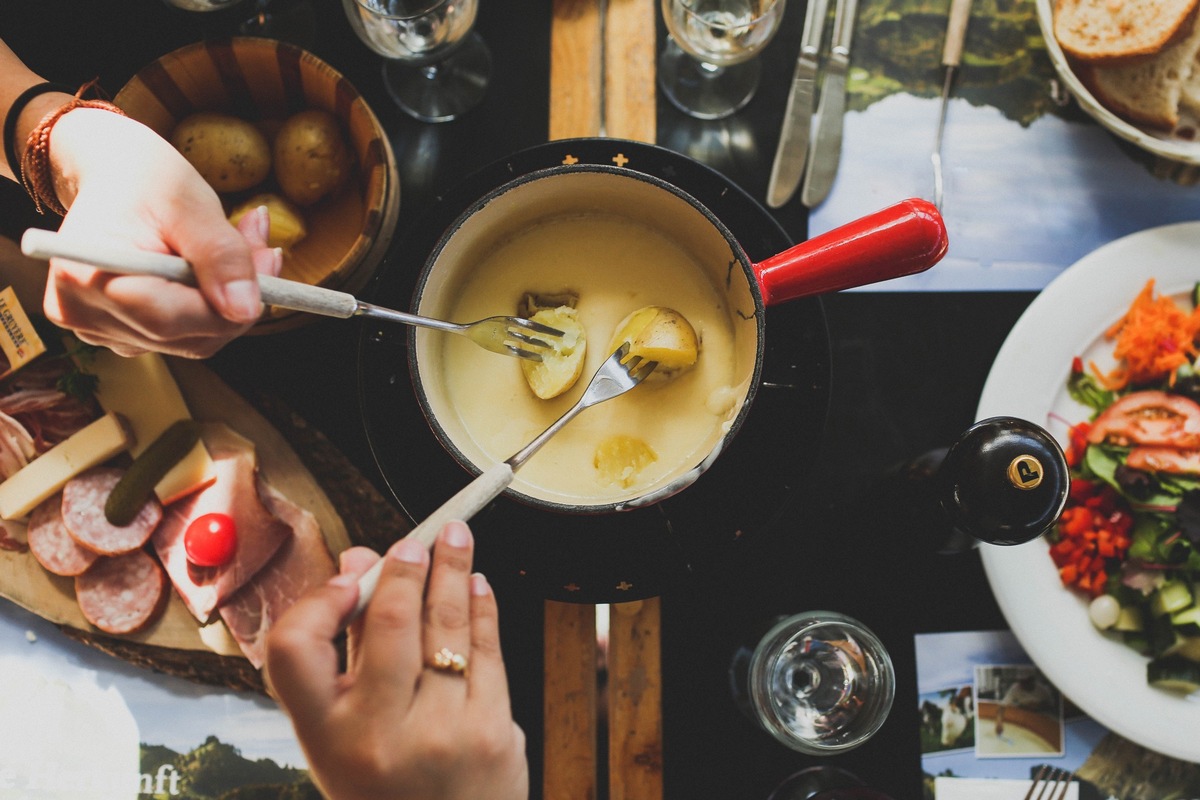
[1153, 339]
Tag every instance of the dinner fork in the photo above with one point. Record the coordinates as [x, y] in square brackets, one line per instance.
[1047, 780]
[514, 336]
[619, 373]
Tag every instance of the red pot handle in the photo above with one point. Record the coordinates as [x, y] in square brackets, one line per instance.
[902, 239]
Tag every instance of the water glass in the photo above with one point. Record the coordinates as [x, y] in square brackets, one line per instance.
[435, 67]
[708, 68]
[820, 682]
[202, 5]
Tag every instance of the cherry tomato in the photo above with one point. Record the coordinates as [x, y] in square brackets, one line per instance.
[210, 540]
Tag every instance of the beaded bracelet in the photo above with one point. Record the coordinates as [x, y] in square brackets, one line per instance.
[14, 111]
[36, 173]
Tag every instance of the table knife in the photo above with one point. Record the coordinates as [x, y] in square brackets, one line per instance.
[826, 147]
[792, 150]
[956, 32]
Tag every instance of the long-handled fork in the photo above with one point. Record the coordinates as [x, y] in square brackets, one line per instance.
[513, 336]
[1049, 780]
[616, 376]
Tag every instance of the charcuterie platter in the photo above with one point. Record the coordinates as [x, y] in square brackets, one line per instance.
[175, 641]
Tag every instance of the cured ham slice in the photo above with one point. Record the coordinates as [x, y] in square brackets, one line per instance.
[16, 446]
[235, 492]
[301, 563]
[52, 544]
[83, 499]
[122, 594]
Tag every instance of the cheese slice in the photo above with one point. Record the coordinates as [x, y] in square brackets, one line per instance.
[42, 477]
[143, 391]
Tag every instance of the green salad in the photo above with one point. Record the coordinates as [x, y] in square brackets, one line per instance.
[1129, 537]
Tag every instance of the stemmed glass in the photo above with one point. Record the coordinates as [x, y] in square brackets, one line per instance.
[436, 67]
[708, 68]
[289, 20]
[819, 682]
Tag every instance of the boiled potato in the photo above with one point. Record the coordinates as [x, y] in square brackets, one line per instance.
[619, 459]
[287, 223]
[562, 363]
[659, 334]
[230, 153]
[312, 159]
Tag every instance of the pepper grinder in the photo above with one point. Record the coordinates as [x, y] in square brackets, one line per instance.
[1004, 481]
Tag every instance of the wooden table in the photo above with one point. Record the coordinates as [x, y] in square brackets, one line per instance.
[602, 82]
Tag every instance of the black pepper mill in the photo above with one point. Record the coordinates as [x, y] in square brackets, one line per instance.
[1004, 481]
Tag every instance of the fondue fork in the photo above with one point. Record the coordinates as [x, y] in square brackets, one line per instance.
[617, 375]
[514, 336]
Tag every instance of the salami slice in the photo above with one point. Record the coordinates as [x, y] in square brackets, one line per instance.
[122, 594]
[52, 545]
[83, 502]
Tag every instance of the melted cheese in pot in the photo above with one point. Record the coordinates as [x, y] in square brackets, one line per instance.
[614, 265]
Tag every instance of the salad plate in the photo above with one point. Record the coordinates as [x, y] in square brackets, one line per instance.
[1028, 379]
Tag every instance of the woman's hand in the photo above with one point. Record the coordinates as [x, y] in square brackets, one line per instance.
[392, 726]
[123, 183]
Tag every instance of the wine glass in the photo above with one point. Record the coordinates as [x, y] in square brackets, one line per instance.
[202, 5]
[708, 68]
[290, 20]
[819, 682]
[436, 67]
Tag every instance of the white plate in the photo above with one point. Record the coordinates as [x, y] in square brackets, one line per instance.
[1028, 380]
[1162, 143]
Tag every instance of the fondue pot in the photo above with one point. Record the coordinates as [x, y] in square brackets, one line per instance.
[905, 238]
[639, 553]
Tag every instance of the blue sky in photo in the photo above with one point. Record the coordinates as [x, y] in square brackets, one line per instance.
[1021, 204]
[169, 711]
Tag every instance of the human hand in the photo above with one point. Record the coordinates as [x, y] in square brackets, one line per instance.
[123, 183]
[392, 727]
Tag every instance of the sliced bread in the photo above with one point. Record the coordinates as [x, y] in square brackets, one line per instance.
[1116, 31]
[1149, 91]
[1190, 97]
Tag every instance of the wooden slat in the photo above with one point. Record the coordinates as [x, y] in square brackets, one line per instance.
[575, 67]
[634, 657]
[569, 697]
[569, 702]
[629, 56]
[635, 701]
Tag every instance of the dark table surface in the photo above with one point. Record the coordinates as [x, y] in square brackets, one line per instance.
[906, 373]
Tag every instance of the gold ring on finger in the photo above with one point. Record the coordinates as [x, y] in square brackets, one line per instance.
[446, 660]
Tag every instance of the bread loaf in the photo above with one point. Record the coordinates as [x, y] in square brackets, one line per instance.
[1149, 91]
[1119, 31]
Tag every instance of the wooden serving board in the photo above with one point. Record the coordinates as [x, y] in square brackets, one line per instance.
[176, 643]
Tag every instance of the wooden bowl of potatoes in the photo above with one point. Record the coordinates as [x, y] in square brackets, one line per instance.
[266, 122]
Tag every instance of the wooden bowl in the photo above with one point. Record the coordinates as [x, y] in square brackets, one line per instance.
[264, 82]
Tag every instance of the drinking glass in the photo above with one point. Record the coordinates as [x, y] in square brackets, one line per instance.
[820, 682]
[708, 68]
[202, 5]
[290, 20]
[435, 66]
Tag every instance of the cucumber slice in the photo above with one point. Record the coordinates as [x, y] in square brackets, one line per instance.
[1130, 619]
[1162, 635]
[1174, 673]
[1187, 620]
[1171, 597]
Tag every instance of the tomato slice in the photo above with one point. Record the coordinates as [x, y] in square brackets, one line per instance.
[1149, 418]
[210, 540]
[1164, 459]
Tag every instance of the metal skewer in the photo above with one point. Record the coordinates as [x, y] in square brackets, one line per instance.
[956, 32]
